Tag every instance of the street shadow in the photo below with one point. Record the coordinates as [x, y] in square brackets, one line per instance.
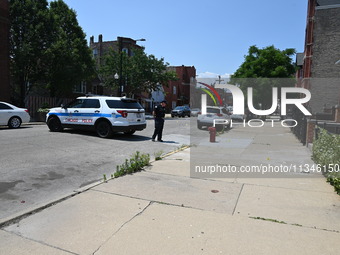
[172, 142]
[116, 136]
[168, 142]
[130, 138]
[20, 128]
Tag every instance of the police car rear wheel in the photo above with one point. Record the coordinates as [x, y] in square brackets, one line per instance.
[54, 124]
[104, 129]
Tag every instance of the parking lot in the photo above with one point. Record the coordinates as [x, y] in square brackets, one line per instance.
[39, 166]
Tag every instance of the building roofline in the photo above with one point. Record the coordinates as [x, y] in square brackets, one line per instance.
[324, 7]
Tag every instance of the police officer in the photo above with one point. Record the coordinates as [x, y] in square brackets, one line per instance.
[159, 114]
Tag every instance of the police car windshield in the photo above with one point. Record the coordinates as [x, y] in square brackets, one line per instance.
[123, 104]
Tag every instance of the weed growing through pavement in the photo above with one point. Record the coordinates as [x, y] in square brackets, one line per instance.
[158, 155]
[134, 164]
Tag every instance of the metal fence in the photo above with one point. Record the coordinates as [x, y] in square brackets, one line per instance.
[331, 127]
[300, 130]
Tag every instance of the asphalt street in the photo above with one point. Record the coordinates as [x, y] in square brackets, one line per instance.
[38, 166]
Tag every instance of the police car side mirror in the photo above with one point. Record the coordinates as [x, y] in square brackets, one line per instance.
[63, 106]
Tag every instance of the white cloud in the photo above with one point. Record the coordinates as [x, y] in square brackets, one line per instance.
[212, 75]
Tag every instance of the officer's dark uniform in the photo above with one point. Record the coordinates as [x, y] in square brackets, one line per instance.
[159, 114]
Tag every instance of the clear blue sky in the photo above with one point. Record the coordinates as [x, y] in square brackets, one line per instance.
[212, 35]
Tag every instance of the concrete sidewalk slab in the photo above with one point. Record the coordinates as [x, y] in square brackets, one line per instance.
[174, 164]
[306, 184]
[265, 146]
[80, 224]
[168, 230]
[176, 190]
[311, 209]
[12, 244]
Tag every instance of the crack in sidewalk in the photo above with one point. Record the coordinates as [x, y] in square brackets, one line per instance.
[39, 242]
[238, 198]
[125, 223]
[292, 224]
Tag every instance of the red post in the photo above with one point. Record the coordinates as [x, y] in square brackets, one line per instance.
[212, 132]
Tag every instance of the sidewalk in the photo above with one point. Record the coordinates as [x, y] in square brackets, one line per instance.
[164, 211]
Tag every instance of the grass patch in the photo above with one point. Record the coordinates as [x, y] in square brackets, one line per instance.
[271, 220]
[158, 155]
[136, 163]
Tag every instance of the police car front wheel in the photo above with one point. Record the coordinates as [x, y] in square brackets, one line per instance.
[54, 124]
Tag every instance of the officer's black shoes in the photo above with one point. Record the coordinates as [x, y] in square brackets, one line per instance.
[157, 140]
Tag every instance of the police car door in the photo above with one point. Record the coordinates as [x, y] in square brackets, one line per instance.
[90, 111]
[72, 112]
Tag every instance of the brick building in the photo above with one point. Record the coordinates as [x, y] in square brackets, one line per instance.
[4, 51]
[99, 50]
[319, 65]
[177, 93]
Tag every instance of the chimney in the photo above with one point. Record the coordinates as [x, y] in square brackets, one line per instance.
[91, 40]
[100, 38]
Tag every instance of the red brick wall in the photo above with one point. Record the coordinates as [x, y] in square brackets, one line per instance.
[4, 51]
[182, 96]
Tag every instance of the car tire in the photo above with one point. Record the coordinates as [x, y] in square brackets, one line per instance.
[104, 129]
[129, 132]
[14, 122]
[172, 116]
[54, 124]
[199, 126]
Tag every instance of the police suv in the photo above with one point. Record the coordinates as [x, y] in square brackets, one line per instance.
[103, 114]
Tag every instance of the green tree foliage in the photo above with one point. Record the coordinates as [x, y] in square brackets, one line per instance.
[260, 70]
[140, 72]
[70, 60]
[48, 47]
[29, 40]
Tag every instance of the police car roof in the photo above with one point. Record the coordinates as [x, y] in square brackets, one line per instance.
[104, 97]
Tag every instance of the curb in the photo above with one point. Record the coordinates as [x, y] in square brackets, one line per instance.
[21, 215]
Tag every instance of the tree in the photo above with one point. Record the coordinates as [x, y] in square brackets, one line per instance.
[29, 39]
[260, 70]
[140, 72]
[48, 48]
[70, 60]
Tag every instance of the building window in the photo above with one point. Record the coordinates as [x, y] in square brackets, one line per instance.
[174, 104]
[174, 90]
[95, 52]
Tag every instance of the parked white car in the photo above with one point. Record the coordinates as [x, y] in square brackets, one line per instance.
[194, 112]
[215, 115]
[105, 115]
[13, 116]
[237, 117]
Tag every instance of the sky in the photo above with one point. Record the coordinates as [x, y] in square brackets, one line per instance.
[212, 35]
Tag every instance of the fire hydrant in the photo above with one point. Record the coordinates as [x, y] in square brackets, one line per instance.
[212, 132]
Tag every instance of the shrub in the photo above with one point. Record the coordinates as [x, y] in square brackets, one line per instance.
[134, 164]
[326, 152]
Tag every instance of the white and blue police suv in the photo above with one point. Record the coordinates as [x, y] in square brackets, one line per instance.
[105, 115]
